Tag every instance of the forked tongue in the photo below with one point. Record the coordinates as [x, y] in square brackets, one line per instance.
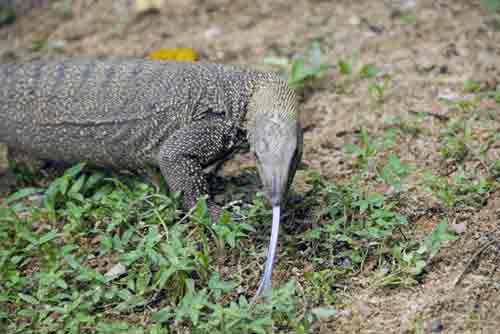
[265, 283]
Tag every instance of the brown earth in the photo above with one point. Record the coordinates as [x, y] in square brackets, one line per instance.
[429, 48]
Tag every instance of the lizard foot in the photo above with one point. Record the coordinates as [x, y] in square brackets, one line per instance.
[215, 211]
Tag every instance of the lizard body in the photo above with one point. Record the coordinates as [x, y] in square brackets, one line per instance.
[180, 116]
[112, 113]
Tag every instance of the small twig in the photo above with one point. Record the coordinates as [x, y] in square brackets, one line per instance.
[484, 164]
[440, 117]
[473, 258]
[402, 233]
[343, 133]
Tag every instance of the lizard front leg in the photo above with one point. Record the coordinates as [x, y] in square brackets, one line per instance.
[186, 152]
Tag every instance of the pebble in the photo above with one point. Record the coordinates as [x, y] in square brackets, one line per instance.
[116, 271]
[212, 32]
[437, 327]
[354, 20]
[459, 228]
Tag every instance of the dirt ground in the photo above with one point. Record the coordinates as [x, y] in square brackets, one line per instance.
[429, 48]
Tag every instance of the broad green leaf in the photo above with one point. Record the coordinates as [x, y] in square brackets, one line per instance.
[276, 61]
[297, 70]
[29, 299]
[23, 193]
[324, 312]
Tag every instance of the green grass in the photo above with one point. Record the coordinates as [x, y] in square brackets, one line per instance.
[98, 253]
[112, 254]
[55, 263]
[459, 190]
[362, 226]
[491, 5]
[7, 15]
[302, 70]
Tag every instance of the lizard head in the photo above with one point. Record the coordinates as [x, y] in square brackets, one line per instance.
[275, 138]
[277, 152]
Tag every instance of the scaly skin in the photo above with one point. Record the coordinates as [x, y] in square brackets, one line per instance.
[179, 116]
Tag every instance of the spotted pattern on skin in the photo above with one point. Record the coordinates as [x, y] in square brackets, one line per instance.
[125, 113]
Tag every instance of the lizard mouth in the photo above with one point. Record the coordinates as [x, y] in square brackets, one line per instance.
[275, 191]
[274, 183]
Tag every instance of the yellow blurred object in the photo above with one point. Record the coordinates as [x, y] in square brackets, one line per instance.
[181, 54]
[142, 6]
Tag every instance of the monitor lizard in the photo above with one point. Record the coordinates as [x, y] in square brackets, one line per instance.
[179, 116]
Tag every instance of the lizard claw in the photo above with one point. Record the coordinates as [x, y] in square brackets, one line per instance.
[216, 212]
